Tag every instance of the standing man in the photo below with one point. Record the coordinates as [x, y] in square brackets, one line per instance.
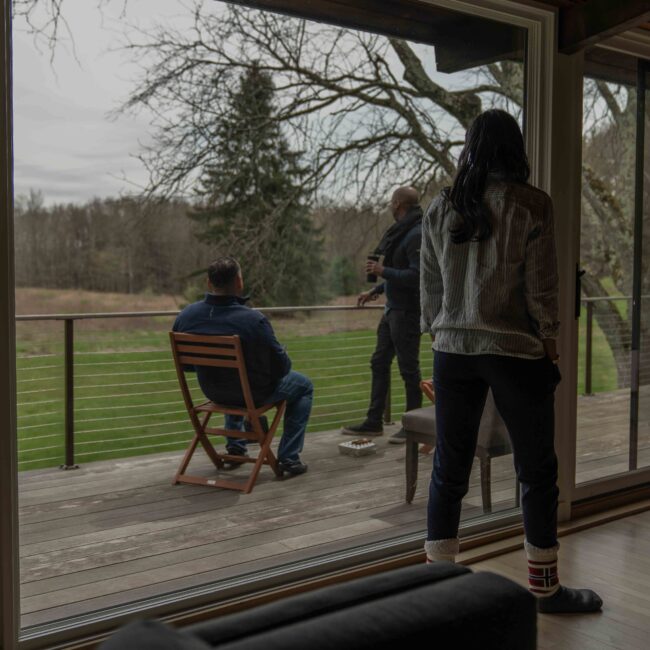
[399, 329]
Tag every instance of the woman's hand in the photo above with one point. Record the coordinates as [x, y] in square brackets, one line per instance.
[550, 349]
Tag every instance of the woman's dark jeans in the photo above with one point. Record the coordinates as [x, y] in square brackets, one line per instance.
[523, 391]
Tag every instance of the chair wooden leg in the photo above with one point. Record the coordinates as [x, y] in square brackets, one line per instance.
[257, 466]
[207, 445]
[411, 468]
[279, 412]
[486, 478]
[265, 455]
[186, 458]
[211, 451]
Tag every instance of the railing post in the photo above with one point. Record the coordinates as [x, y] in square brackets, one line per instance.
[69, 394]
[387, 408]
[589, 347]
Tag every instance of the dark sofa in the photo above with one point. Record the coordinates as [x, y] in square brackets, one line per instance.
[439, 605]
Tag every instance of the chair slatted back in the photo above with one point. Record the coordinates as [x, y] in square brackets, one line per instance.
[209, 351]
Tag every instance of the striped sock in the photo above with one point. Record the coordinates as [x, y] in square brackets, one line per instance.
[542, 570]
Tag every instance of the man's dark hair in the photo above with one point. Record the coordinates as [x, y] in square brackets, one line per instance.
[223, 271]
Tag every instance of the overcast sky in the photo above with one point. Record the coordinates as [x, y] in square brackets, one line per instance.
[65, 144]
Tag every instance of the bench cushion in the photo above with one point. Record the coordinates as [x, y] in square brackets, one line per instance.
[493, 435]
[422, 420]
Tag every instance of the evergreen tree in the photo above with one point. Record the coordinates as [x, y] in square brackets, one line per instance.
[254, 203]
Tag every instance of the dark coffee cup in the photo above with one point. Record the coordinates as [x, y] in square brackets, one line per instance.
[372, 277]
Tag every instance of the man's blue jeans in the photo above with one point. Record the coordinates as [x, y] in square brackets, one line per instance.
[298, 391]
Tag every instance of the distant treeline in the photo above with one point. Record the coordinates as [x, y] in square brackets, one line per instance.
[128, 246]
[121, 245]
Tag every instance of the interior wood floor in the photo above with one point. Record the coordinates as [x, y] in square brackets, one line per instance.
[117, 531]
[614, 560]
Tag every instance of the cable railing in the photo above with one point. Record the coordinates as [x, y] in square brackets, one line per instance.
[106, 388]
[606, 339]
[96, 393]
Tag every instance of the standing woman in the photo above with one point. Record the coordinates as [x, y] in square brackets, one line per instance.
[489, 296]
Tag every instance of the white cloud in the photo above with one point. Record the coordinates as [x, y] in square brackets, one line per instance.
[65, 144]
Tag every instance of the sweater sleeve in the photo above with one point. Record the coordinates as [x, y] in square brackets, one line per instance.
[280, 363]
[541, 277]
[431, 286]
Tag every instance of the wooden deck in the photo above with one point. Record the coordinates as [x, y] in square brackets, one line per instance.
[116, 531]
[603, 434]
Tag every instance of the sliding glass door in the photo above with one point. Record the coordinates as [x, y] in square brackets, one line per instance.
[364, 111]
[614, 342]
[640, 416]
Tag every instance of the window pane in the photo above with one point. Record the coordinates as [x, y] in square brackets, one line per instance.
[606, 442]
[642, 457]
[267, 137]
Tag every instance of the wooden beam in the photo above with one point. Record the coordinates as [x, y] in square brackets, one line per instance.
[614, 67]
[461, 41]
[586, 24]
[408, 19]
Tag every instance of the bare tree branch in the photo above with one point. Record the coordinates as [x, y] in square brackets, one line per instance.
[359, 106]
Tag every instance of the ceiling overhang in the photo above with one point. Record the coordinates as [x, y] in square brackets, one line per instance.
[587, 23]
[461, 40]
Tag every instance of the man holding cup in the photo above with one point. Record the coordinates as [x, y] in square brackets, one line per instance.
[397, 261]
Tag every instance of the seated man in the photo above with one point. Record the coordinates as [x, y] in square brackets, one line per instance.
[271, 379]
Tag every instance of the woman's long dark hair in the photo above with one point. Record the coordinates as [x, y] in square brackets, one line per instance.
[493, 145]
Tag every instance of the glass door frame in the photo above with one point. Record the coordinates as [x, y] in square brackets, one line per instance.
[9, 580]
[635, 43]
[540, 107]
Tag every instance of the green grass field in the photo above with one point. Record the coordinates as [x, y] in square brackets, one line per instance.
[127, 400]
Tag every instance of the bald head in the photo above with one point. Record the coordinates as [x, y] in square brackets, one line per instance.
[402, 200]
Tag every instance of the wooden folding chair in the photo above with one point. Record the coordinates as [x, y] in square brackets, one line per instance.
[222, 352]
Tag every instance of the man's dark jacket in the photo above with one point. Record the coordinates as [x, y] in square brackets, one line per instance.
[266, 360]
[402, 267]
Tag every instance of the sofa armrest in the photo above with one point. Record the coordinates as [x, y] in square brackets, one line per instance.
[474, 612]
[424, 607]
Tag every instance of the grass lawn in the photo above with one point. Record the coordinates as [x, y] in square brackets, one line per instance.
[127, 400]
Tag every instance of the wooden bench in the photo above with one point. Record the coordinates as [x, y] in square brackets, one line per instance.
[493, 440]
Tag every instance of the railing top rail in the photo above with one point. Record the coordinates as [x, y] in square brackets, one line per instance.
[145, 314]
[609, 298]
[265, 310]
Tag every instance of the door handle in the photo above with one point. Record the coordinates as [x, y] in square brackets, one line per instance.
[579, 273]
